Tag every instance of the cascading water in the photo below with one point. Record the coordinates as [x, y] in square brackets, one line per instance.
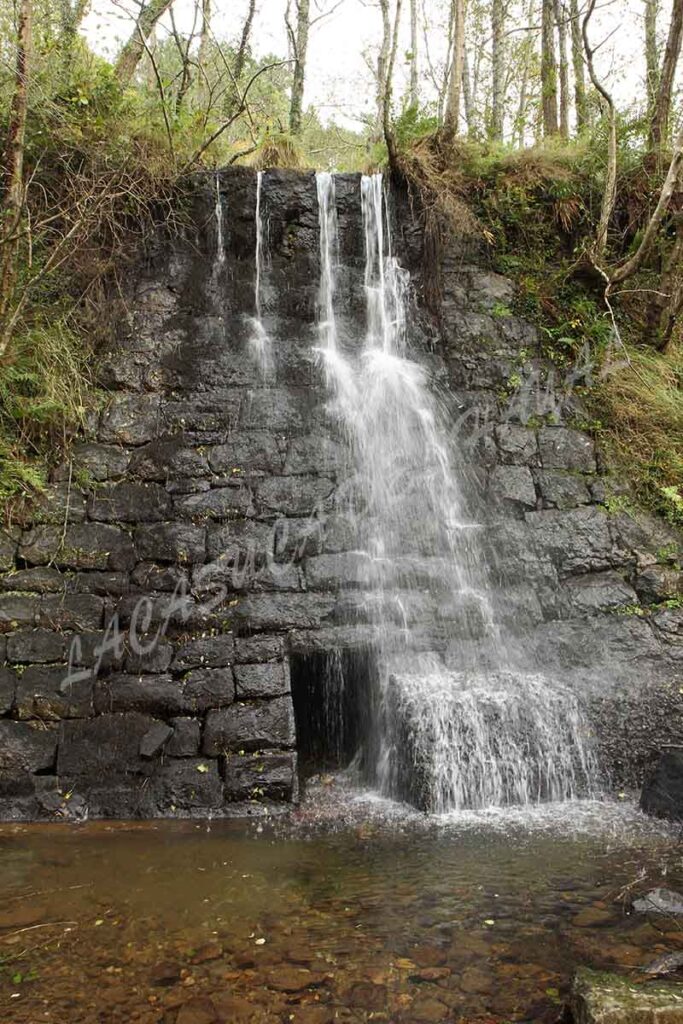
[219, 259]
[259, 339]
[445, 738]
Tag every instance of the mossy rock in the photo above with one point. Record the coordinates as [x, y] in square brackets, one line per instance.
[599, 997]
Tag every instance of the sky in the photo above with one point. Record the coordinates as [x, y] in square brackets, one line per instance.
[339, 81]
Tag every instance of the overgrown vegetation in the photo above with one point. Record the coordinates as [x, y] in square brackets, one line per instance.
[535, 211]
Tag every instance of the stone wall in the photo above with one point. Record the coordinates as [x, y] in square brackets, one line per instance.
[195, 541]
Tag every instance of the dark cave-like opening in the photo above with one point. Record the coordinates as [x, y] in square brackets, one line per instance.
[335, 696]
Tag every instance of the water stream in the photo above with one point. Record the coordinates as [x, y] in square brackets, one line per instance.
[444, 737]
[259, 339]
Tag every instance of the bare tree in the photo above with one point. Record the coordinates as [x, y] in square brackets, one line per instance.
[610, 189]
[651, 55]
[561, 23]
[12, 209]
[659, 125]
[241, 55]
[383, 60]
[452, 116]
[131, 54]
[299, 45]
[580, 101]
[548, 69]
[414, 95]
[388, 88]
[497, 69]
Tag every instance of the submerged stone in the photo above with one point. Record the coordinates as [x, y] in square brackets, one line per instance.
[662, 794]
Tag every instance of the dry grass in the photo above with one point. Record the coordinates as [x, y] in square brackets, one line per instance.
[645, 434]
[278, 151]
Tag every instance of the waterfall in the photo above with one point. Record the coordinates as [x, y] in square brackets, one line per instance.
[444, 738]
[218, 213]
[259, 339]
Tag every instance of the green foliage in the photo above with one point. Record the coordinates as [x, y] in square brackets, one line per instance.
[413, 124]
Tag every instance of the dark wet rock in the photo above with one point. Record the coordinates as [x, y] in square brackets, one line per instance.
[171, 542]
[41, 580]
[27, 746]
[578, 540]
[247, 452]
[659, 901]
[659, 583]
[99, 461]
[128, 502]
[603, 998]
[205, 652]
[81, 546]
[331, 572]
[270, 679]
[562, 448]
[130, 419]
[219, 503]
[263, 775]
[293, 495]
[277, 611]
[257, 726]
[148, 656]
[155, 738]
[163, 695]
[107, 744]
[8, 687]
[185, 739]
[36, 645]
[49, 693]
[188, 786]
[517, 445]
[209, 687]
[514, 485]
[259, 648]
[595, 592]
[560, 489]
[662, 793]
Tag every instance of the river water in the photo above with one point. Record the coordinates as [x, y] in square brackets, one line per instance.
[349, 908]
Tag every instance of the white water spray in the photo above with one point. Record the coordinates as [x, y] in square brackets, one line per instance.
[444, 739]
[219, 259]
[259, 339]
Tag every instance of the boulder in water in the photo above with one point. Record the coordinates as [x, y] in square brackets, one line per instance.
[660, 901]
[602, 998]
[662, 794]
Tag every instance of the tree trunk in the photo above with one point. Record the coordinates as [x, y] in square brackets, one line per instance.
[672, 286]
[548, 69]
[580, 102]
[205, 35]
[301, 48]
[561, 22]
[668, 188]
[383, 62]
[659, 125]
[467, 99]
[414, 97]
[244, 42]
[497, 70]
[452, 118]
[13, 199]
[610, 189]
[651, 56]
[132, 52]
[388, 88]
